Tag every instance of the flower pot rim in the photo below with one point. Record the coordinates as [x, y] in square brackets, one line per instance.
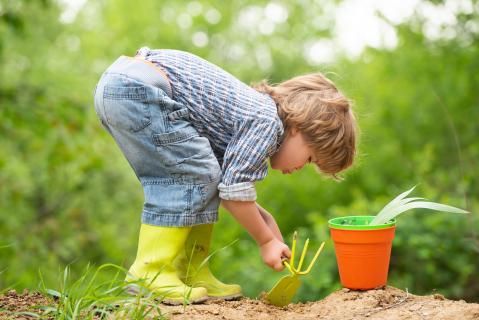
[334, 223]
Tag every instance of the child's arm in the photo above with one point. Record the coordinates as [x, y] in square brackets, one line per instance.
[271, 222]
[249, 216]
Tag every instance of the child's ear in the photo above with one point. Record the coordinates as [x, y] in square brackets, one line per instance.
[293, 131]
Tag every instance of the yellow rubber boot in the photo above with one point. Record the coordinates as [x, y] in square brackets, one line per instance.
[157, 248]
[194, 270]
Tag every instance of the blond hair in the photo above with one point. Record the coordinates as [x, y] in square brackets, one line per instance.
[313, 105]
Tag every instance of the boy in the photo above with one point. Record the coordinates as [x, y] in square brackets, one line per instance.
[194, 134]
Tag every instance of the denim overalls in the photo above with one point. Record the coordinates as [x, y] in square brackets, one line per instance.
[175, 165]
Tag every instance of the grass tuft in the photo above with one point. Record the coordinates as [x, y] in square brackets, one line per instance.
[88, 298]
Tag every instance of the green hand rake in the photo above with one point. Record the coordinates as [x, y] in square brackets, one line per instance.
[285, 289]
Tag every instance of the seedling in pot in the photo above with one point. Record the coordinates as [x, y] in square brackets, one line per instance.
[402, 204]
[363, 243]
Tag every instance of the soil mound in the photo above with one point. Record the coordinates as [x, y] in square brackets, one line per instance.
[386, 303]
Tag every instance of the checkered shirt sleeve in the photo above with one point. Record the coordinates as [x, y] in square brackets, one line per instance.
[245, 159]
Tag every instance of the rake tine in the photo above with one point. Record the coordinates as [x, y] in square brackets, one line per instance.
[293, 250]
[289, 267]
[314, 260]
[303, 254]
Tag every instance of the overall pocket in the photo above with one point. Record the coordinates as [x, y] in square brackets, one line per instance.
[185, 154]
[127, 106]
[182, 145]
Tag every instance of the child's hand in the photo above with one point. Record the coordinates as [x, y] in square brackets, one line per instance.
[272, 252]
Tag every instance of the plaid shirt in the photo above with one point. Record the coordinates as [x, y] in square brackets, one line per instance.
[242, 125]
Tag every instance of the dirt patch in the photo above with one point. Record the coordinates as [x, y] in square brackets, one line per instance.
[15, 305]
[386, 303]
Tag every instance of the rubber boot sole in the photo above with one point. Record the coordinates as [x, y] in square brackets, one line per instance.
[236, 296]
[135, 290]
[174, 302]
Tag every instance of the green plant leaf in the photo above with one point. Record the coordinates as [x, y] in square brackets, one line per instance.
[398, 204]
[395, 211]
[394, 202]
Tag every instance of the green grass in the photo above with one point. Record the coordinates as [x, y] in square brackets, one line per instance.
[103, 293]
[90, 298]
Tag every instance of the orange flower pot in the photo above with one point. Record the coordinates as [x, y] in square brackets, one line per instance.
[362, 251]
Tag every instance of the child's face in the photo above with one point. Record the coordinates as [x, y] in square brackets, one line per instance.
[293, 154]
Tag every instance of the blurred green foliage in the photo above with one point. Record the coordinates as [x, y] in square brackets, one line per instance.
[67, 196]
